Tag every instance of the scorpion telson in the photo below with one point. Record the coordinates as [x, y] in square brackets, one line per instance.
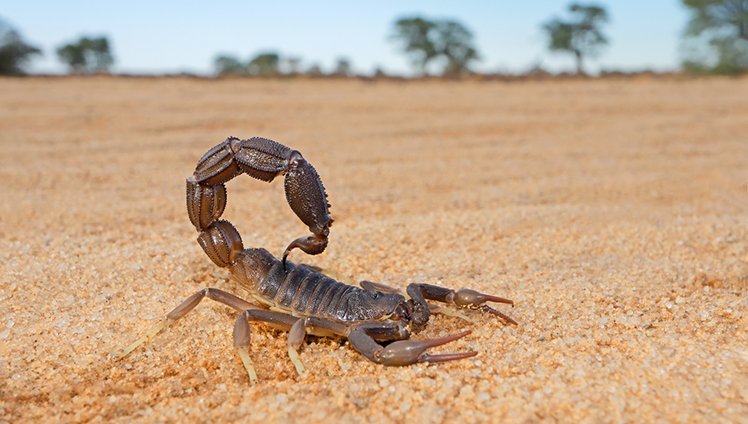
[301, 299]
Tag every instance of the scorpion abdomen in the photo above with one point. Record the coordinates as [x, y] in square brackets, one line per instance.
[296, 290]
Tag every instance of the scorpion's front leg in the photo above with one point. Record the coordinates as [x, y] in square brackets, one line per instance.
[364, 337]
[462, 298]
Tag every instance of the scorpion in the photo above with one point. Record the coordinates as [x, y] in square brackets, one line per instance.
[377, 320]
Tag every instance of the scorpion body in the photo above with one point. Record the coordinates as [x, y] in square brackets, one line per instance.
[301, 292]
[299, 298]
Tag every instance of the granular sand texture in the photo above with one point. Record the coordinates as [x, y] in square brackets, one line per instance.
[612, 211]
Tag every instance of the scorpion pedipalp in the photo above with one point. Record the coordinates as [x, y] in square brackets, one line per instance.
[468, 297]
[463, 298]
[407, 352]
[474, 299]
[403, 352]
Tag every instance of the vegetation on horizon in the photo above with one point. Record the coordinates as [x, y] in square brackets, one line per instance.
[87, 55]
[14, 52]
[580, 35]
[427, 41]
[716, 37]
[272, 64]
[715, 41]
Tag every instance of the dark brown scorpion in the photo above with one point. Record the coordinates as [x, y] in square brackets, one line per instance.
[298, 298]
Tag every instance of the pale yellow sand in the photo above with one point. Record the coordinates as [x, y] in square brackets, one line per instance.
[613, 212]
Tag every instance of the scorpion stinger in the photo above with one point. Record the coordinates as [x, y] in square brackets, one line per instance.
[377, 319]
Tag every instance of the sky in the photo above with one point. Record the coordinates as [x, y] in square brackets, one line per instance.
[169, 36]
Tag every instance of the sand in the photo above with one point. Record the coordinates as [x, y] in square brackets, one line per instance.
[613, 212]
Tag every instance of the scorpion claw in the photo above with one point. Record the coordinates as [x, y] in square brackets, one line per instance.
[407, 352]
[476, 300]
[446, 357]
[507, 318]
[467, 297]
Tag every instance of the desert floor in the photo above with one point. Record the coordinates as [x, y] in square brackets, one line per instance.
[613, 212]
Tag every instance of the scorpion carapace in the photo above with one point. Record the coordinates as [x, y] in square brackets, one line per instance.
[300, 298]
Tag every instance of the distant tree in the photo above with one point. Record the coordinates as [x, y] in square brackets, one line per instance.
[425, 41]
[87, 55]
[293, 64]
[315, 70]
[264, 65]
[14, 52]
[229, 65]
[581, 35]
[456, 44]
[536, 69]
[343, 67]
[722, 25]
[414, 34]
[379, 72]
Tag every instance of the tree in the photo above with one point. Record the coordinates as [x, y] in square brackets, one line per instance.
[722, 25]
[87, 55]
[343, 67]
[293, 65]
[424, 41]
[229, 65]
[264, 64]
[379, 72]
[14, 53]
[455, 43]
[414, 35]
[315, 70]
[581, 35]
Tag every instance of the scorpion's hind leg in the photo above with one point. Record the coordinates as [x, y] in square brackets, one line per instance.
[189, 304]
[462, 298]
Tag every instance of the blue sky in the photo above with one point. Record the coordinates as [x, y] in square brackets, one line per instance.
[176, 36]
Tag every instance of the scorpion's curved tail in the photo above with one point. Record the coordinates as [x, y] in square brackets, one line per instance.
[262, 159]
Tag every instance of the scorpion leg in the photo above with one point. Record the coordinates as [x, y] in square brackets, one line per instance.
[295, 339]
[463, 298]
[363, 338]
[435, 309]
[242, 336]
[311, 325]
[297, 328]
[189, 304]
[370, 285]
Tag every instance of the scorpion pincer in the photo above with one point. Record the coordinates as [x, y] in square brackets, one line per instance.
[299, 298]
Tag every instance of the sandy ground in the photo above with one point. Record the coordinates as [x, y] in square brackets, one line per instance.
[613, 212]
